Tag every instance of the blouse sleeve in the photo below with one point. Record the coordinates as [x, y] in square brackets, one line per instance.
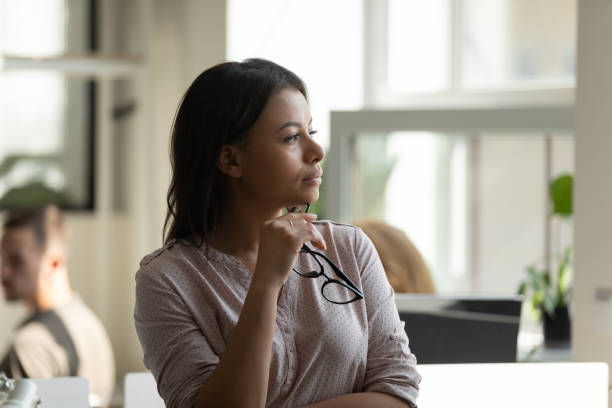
[391, 367]
[175, 349]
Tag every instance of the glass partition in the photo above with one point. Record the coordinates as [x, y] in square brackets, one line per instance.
[474, 205]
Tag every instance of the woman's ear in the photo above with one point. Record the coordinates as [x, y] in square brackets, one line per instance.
[229, 161]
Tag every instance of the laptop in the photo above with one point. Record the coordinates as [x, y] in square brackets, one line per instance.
[461, 329]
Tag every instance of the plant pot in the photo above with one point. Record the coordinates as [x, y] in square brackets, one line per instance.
[557, 329]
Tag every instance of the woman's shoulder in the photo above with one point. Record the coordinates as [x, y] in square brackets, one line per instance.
[173, 255]
[334, 226]
[154, 257]
[340, 233]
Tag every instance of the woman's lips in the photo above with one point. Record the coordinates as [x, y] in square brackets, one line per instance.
[314, 179]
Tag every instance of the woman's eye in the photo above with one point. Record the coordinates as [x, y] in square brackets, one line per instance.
[295, 136]
[292, 138]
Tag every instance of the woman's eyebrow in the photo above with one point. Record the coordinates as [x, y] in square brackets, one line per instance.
[294, 124]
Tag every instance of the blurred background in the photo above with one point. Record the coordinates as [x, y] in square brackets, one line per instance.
[447, 119]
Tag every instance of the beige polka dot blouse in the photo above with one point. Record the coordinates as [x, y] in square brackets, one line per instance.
[188, 300]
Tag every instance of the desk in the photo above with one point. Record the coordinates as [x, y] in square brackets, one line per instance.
[531, 349]
[542, 354]
[511, 385]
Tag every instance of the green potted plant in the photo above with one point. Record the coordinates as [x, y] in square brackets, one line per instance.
[549, 294]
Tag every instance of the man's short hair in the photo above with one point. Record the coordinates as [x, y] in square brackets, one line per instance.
[43, 221]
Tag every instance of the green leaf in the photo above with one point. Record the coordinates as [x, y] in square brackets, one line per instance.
[522, 289]
[547, 291]
[546, 278]
[539, 280]
[538, 298]
[561, 195]
[530, 270]
[535, 302]
[565, 278]
[549, 305]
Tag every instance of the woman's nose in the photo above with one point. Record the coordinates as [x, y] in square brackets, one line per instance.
[314, 151]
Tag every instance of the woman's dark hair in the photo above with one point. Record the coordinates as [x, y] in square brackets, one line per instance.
[219, 108]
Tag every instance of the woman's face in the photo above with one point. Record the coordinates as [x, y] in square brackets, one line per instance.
[280, 161]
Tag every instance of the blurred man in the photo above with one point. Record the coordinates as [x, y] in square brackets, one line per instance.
[61, 337]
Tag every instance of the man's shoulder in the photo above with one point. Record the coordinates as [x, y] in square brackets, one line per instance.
[38, 321]
[33, 338]
[37, 353]
[31, 331]
[76, 309]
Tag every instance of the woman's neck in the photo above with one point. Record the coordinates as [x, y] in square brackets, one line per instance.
[238, 227]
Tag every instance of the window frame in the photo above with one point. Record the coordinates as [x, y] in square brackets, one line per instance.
[547, 107]
[520, 121]
[99, 69]
[377, 94]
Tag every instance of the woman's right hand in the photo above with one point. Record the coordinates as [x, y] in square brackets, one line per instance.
[280, 241]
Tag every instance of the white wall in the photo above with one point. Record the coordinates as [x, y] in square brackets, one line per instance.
[592, 327]
[184, 38]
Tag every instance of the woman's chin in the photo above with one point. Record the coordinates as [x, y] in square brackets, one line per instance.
[313, 197]
[306, 197]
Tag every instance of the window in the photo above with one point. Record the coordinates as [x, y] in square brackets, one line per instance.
[479, 246]
[306, 38]
[451, 47]
[47, 126]
[47, 154]
[517, 43]
[471, 192]
[414, 65]
[469, 118]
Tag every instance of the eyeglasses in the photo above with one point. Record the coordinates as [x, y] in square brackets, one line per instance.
[339, 291]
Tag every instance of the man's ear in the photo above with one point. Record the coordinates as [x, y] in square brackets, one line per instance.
[56, 263]
[229, 161]
[51, 264]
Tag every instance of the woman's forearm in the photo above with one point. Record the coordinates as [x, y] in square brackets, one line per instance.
[241, 377]
[362, 400]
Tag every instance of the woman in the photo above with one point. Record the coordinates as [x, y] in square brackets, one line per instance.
[222, 316]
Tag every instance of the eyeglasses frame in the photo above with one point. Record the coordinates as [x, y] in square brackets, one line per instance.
[345, 280]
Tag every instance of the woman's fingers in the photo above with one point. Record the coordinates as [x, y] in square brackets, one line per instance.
[280, 242]
[306, 230]
[319, 243]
